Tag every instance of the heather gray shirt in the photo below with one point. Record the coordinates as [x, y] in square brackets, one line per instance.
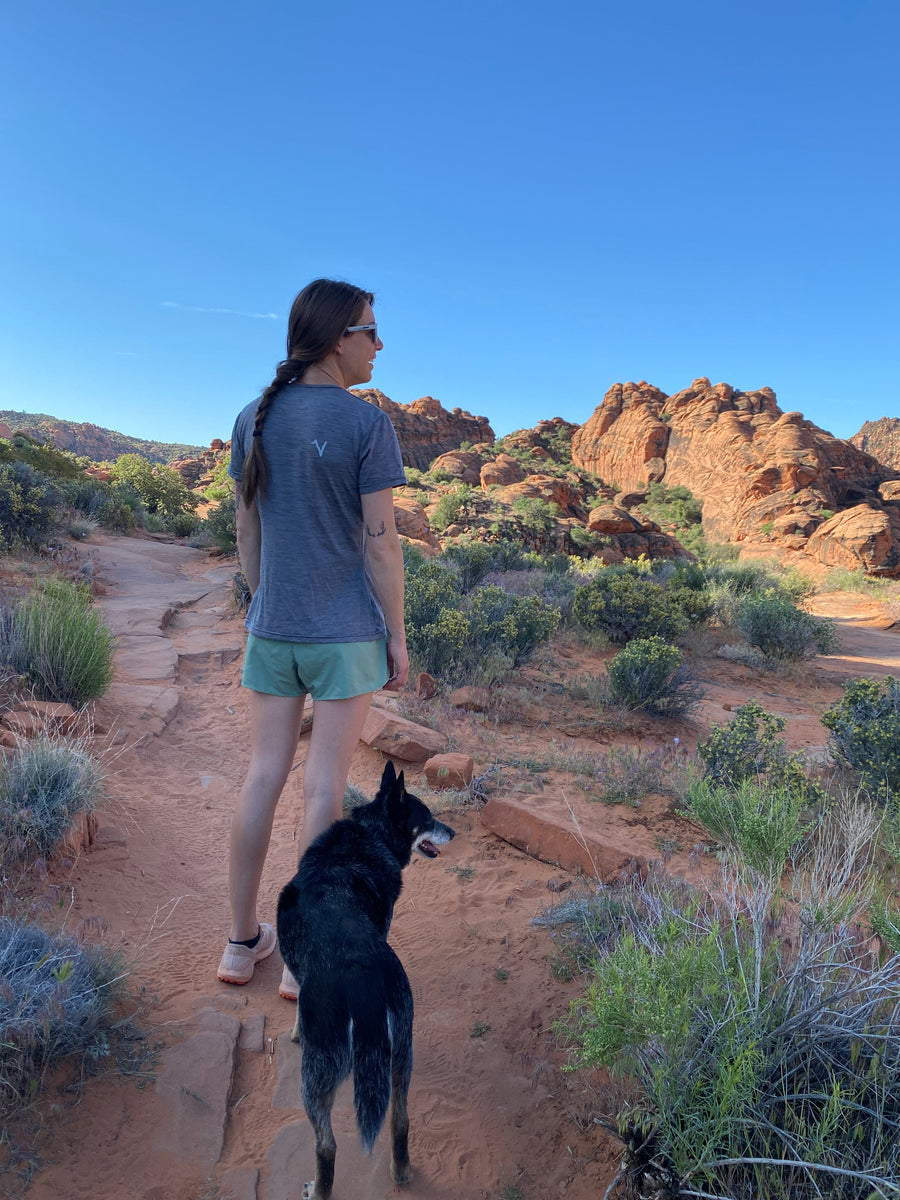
[325, 449]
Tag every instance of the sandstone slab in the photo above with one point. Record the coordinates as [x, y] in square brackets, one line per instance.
[401, 738]
[194, 1083]
[547, 837]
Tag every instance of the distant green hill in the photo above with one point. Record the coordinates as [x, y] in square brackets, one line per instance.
[99, 445]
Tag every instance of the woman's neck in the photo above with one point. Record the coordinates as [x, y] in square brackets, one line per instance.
[327, 371]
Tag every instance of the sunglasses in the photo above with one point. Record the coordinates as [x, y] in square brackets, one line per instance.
[371, 330]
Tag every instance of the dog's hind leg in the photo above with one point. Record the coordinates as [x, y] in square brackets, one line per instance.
[401, 1071]
[319, 1114]
[401, 1171]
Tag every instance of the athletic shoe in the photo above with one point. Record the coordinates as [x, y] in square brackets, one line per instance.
[238, 962]
[289, 988]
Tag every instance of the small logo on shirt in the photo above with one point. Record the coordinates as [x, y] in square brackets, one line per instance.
[321, 449]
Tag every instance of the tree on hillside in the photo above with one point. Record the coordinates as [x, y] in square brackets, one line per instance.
[160, 488]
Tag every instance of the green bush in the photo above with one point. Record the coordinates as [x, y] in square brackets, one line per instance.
[865, 733]
[181, 524]
[61, 643]
[450, 507]
[747, 748]
[221, 524]
[29, 505]
[473, 560]
[783, 632]
[536, 516]
[43, 786]
[625, 606]
[57, 1001]
[161, 489]
[761, 823]
[113, 505]
[649, 674]
[752, 1045]
[473, 638]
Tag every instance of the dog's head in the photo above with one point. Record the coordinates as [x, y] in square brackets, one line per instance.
[410, 821]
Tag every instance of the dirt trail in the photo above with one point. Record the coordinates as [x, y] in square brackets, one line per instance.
[491, 1109]
[488, 1111]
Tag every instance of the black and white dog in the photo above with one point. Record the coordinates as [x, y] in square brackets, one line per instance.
[355, 1008]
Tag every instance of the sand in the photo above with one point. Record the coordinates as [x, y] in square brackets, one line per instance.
[217, 1112]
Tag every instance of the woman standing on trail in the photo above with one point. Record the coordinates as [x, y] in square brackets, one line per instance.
[314, 468]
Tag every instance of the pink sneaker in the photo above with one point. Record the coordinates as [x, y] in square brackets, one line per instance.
[238, 962]
[289, 988]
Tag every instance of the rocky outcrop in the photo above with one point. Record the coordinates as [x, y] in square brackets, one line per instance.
[758, 472]
[90, 441]
[881, 439]
[426, 429]
[196, 472]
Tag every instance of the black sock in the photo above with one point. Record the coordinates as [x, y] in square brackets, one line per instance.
[250, 943]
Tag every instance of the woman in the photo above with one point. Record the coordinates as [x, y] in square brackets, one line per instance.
[314, 468]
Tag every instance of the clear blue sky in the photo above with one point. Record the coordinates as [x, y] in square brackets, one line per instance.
[545, 198]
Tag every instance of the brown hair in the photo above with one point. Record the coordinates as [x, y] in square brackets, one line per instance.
[319, 318]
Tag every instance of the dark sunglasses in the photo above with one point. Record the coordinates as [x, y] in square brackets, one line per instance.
[371, 330]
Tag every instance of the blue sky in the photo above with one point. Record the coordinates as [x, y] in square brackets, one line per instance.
[546, 199]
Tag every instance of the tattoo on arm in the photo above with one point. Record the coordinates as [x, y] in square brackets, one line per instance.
[376, 532]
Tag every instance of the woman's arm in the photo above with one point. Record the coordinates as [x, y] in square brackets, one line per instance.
[248, 539]
[385, 556]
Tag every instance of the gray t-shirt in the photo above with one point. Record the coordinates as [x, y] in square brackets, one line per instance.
[324, 449]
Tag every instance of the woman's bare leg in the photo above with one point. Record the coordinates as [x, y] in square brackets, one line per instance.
[275, 730]
[337, 725]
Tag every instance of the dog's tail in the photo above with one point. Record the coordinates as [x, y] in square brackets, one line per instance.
[370, 1044]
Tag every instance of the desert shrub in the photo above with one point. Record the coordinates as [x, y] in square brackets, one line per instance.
[61, 643]
[773, 623]
[673, 506]
[161, 489]
[865, 733]
[751, 1053]
[240, 591]
[29, 505]
[181, 524]
[764, 821]
[43, 786]
[536, 516]
[626, 774]
[748, 748]
[472, 561]
[474, 638]
[451, 506]
[625, 606]
[57, 1001]
[649, 674]
[221, 524]
[81, 526]
[113, 505]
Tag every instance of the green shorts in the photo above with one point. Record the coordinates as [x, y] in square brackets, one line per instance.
[327, 670]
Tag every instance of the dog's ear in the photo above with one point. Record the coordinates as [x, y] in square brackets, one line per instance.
[397, 802]
[388, 777]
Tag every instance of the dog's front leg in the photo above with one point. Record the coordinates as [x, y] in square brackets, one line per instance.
[295, 1032]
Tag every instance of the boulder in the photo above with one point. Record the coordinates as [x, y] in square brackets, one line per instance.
[400, 738]
[449, 771]
[502, 470]
[425, 429]
[464, 465]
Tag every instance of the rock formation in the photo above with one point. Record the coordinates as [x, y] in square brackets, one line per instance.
[881, 439]
[758, 472]
[426, 429]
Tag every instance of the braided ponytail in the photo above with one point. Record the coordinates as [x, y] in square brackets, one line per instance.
[319, 316]
[255, 474]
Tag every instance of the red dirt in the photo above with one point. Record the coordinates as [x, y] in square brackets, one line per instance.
[491, 1109]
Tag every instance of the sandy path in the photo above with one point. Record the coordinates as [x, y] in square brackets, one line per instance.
[489, 1112]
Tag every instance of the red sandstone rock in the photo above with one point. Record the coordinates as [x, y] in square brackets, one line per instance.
[426, 686]
[502, 470]
[544, 838]
[611, 519]
[464, 465]
[24, 724]
[745, 460]
[425, 429]
[53, 716]
[401, 738]
[450, 770]
[860, 536]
